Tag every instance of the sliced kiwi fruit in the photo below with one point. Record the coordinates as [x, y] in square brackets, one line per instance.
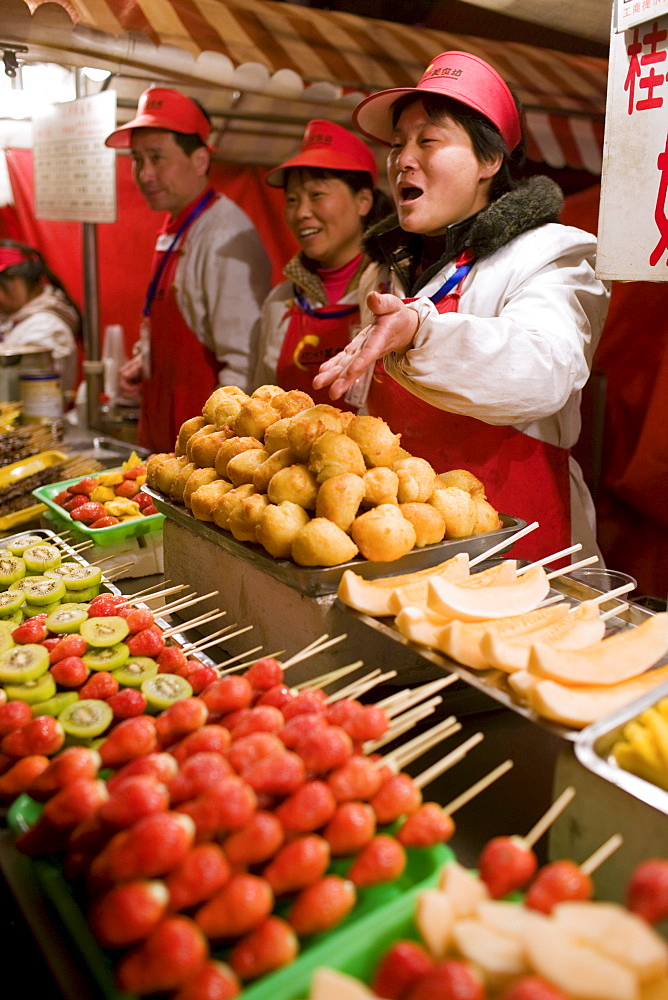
[18, 545]
[12, 568]
[6, 641]
[21, 664]
[107, 657]
[80, 596]
[163, 690]
[33, 691]
[10, 601]
[42, 590]
[86, 718]
[30, 610]
[136, 671]
[104, 631]
[76, 576]
[55, 705]
[14, 619]
[39, 558]
[67, 618]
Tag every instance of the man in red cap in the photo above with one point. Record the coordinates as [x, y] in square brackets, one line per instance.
[210, 273]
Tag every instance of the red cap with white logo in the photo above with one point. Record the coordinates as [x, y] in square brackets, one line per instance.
[330, 147]
[162, 108]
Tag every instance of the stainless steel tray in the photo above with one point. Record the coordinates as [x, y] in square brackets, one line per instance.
[318, 581]
[594, 744]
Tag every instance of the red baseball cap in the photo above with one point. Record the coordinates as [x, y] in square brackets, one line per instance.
[10, 256]
[460, 75]
[162, 108]
[331, 147]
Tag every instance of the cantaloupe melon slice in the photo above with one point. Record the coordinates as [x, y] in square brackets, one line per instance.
[372, 597]
[330, 984]
[476, 604]
[580, 706]
[435, 918]
[581, 627]
[421, 625]
[461, 640]
[416, 593]
[521, 683]
[610, 661]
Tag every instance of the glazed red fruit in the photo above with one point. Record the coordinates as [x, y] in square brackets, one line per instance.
[310, 701]
[201, 874]
[297, 729]
[382, 860]
[43, 735]
[127, 703]
[128, 489]
[152, 847]
[105, 605]
[149, 509]
[400, 967]
[248, 749]
[209, 737]
[555, 883]
[75, 500]
[71, 672]
[261, 719]
[69, 764]
[172, 953]
[350, 829]
[325, 749]
[135, 472]
[506, 864]
[228, 805]
[100, 685]
[137, 618]
[105, 522]
[160, 766]
[170, 659]
[199, 675]
[88, 512]
[322, 906]
[68, 645]
[128, 913]
[227, 694]
[427, 826]
[449, 980]
[62, 497]
[276, 774]
[75, 801]
[255, 842]
[297, 864]
[14, 715]
[533, 988]
[369, 722]
[21, 775]
[84, 486]
[148, 642]
[647, 890]
[133, 798]
[144, 500]
[271, 946]
[398, 796]
[130, 738]
[198, 773]
[307, 809]
[238, 908]
[31, 630]
[278, 696]
[213, 981]
[183, 717]
[265, 673]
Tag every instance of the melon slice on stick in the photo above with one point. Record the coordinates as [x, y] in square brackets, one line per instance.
[372, 597]
[416, 594]
[461, 640]
[580, 706]
[421, 625]
[475, 604]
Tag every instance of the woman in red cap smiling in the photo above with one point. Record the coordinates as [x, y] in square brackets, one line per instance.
[330, 199]
[485, 311]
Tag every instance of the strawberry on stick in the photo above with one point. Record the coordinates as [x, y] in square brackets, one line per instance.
[564, 880]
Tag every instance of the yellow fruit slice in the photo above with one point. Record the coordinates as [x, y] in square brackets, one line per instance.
[330, 984]
[657, 725]
[610, 661]
[497, 954]
[461, 640]
[372, 597]
[581, 627]
[415, 594]
[475, 604]
[580, 706]
[421, 625]
[629, 759]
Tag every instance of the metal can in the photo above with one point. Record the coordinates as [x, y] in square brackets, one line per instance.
[41, 396]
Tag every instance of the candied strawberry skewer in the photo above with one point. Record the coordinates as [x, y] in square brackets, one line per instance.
[563, 880]
[647, 890]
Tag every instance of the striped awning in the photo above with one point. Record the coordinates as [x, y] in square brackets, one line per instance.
[280, 61]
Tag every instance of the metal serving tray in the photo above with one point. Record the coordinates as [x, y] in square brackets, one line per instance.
[318, 581]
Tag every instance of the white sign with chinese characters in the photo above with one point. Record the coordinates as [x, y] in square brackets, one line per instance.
[629, 13]
[633, 220]
[74, 172]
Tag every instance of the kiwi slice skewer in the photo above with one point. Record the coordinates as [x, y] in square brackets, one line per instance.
[105, 631]
[32, 691]
[67, 618]
[163, 690]
[86, 718]
[10, 601]
[21, 664]
[107, 657]
[136, 670]
[39, 558]
[54, 705]
[18, 545]
[77, 576]
[12, 568]
[42, 590]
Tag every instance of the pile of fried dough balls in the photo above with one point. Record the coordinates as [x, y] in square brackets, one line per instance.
[313, 483]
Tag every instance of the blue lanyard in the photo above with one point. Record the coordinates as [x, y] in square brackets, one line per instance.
[155, 280]
[324, 313]
[452, 282]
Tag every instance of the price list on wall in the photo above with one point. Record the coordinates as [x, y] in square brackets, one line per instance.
[74, 172]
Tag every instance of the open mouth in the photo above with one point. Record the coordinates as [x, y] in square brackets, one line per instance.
[305, 233]
[410, 193]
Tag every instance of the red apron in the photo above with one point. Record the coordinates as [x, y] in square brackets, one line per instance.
[523, 477]
[183, 372]
[312, 338]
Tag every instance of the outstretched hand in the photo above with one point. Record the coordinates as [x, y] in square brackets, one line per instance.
[392, 330]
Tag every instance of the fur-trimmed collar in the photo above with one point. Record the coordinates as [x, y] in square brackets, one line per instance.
[532, 203]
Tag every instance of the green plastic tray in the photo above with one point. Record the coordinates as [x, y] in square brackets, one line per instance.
[382, 914]
[100, 536]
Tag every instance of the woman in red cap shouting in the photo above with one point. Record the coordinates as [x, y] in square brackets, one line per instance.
[485, 311]
[330, 199]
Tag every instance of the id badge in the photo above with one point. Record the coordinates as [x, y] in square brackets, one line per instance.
[145, 345]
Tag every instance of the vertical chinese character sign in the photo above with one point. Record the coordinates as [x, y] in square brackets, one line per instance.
[75, 173]
[633, 224]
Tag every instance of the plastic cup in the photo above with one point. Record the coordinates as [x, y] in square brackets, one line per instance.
[602, 579]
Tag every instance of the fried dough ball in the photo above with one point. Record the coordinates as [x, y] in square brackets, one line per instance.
[223, 392]
[416, 480]
[322, 543]
[487, 518]
[377, 442]
[291, 403]
[223, 509]
[200, 477]
[186, 431]
[167, 471]
[308, 425]
[233, 446]
[241, 468]
[226, 411]
[428, 523]
[204, 499]
[276, 436]
[381, 485]
[268, 392]
[179, 484]
[244, 517]
[203, 448]
[270, 466]
[333, 454]
[254, 417]
[383, 534]
[339, 499]
[457, 509]
[277, 526]
[152, 463]
[463, 479]
[296, 483]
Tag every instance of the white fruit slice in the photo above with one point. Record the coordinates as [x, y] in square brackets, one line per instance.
[372, 597]
[416, 593]
[497, 954]
[464, 888]
[435, 919]
[580, 706]
[461, 640]
[329, 984]
[611, 661]
[616, 932]
[421, 625]
[581, 627]
[579, 970]
[476, 604]
[502, 572]
[504, 917]
[521, 683]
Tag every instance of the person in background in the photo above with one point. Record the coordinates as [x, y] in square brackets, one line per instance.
[330, 199]
[210, 274]
[483, 311]
[36, 309]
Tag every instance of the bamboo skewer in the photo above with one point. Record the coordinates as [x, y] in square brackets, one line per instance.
[407, 752]
[510, 540]
[424, 691]
[249, 663]
[141, 597]
[419, 694]
[546, 821]
[345, 691]
[234, 659]
[414, 714]
[602, 854]
[186, 602]
[479, 786]
[361, 687]
[549, 559]
[454, 757]
[208, 616]
[333, 675]
[403, 725]
[209, 639]
[312, 650]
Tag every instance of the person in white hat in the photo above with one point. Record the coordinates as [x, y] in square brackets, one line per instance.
[330, 200]
[210, 274]
[484, 311]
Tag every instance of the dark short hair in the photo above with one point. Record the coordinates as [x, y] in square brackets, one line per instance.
[356, 180]
[34, 271]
